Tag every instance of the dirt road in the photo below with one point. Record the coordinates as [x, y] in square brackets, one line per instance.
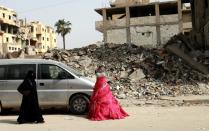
[192, 118]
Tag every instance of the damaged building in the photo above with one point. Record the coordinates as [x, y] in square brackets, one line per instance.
[39, 36]
[142, 22]
[17, 34]
[8, 30]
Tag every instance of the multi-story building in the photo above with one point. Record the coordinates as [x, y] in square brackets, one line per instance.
[39, 36]
[143, 23]
[8, 30]
[17, 34]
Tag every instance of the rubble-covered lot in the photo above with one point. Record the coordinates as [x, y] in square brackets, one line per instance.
[138, 72]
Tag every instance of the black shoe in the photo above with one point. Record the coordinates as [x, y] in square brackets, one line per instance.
[40, 121]
[21, 122]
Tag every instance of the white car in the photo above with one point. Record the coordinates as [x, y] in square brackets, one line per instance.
[58, 85]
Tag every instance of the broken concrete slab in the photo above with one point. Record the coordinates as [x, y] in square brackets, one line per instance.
[137, 75]
[174, 48]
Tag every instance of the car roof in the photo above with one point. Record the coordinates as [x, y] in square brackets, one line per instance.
[27, 61]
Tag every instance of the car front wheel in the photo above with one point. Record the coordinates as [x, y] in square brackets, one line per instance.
[79, 104]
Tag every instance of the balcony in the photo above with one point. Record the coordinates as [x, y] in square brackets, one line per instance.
[119, 23]
[130, 2]
[169, 18]
[38, 31]
[1, 33]
[99, 26]
[147, 20]
[10, 22]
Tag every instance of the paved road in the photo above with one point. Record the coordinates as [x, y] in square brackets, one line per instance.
[192, 118]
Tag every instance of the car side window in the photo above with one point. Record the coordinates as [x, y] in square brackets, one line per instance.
[47, 71]
[3, 72]
[19, 71]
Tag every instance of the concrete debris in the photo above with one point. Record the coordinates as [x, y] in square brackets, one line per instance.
[16, 54]
[137, 75]
[137, 72]
[26, 53]
[121, 96]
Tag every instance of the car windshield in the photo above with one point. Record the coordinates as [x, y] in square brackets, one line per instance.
[74, 71]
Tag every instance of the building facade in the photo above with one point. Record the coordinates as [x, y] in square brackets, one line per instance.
[143, 23]
[16, 34]
[8, 30]
[38, 36]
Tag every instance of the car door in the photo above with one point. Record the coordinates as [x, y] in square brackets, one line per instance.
[3, 82]
[52, 85]
[15, 76]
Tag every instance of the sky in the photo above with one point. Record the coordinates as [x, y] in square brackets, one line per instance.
[79, 12]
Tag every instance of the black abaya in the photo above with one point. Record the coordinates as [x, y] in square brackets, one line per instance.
[29, 110]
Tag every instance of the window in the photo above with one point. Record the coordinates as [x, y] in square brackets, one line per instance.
[142, 11]
[43, 47]
[7, 39]
[54, 40]
[3, 15]
[52, 72]
[13, 48]
[9, 17]
[2, 72]
[47, 39]
[19, 72]
[168, 9]
[43, 38]
[32, 29]
[10, 48]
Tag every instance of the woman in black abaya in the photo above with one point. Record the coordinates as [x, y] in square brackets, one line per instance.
[29, 110]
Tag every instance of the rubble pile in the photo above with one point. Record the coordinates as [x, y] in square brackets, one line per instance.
[136, 72]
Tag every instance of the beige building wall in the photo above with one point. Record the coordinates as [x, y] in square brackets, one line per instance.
[10, 44]
[42, 37]
[1, 45]
[145, 35]
[116, 36]
[17, 34]
[167, 31]
[8, 16]
[149, 25]
[52, 38]
[8, 27]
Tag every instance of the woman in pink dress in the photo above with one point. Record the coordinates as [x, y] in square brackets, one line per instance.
[103, 105]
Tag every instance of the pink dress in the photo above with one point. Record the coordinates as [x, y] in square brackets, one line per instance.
[103, 105]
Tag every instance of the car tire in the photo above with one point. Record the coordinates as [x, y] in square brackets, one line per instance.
[79, 104]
